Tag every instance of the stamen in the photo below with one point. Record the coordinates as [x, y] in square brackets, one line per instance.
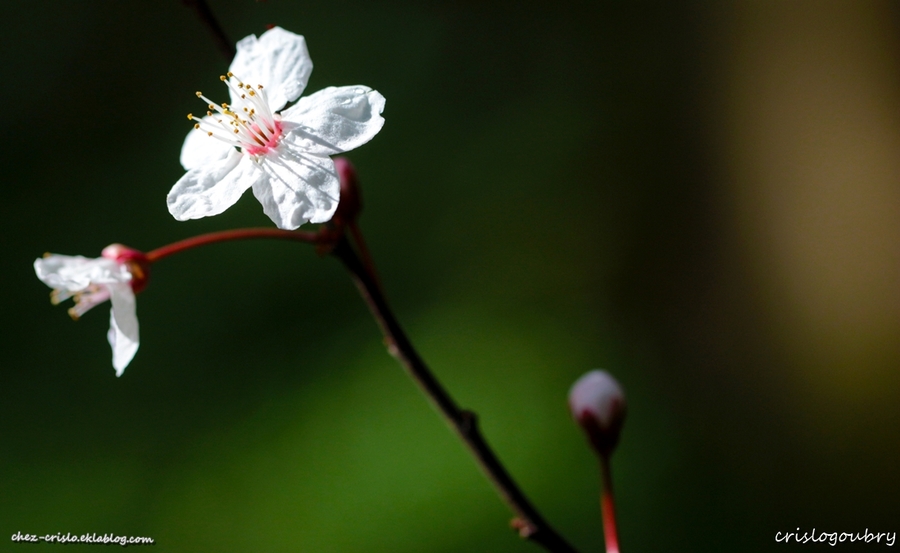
[87, 299]
[59, 295]
[256, 134]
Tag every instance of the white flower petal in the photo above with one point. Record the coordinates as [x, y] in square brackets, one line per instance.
[123, 326]
[213, 188]
[334, 119]
[297, 189]
[74, 272]
[200, 149]
[278, 60]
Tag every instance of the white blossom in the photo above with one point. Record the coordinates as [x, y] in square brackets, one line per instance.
[282, 155]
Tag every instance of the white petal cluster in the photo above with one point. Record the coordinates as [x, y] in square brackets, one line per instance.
[91, 282]
[282, 155]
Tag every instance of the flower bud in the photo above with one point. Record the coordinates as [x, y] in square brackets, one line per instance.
[350, 204]
[135, 260]
[598, 406]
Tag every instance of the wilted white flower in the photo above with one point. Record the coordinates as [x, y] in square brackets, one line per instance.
[115, 276]
[282, 155]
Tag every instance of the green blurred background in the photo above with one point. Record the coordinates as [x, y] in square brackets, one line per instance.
[702, 198]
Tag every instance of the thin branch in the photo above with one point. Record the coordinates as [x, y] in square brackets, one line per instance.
[237, 234]
[529, 522]
[223, 43]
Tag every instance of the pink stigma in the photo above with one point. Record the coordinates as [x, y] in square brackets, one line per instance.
[256, 148]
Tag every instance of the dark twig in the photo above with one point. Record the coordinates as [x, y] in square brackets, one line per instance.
[529, 522]
[206, 16]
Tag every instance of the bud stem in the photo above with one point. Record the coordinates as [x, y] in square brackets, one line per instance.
[608, 508]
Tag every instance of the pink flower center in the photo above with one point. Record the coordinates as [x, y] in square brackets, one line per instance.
[263, 141]
[250, 124]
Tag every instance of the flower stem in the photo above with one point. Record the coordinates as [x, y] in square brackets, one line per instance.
[228, 235]
[206, 16]
[529, 522]
[608, 508]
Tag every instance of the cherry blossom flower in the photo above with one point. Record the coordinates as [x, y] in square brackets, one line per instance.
[116, 276]
[282, 154]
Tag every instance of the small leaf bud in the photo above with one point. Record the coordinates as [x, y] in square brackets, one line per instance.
[598, 406]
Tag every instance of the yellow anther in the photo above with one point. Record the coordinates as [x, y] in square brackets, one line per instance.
[243, 96]
[230, 74]
[190, 116]
[222, 77]
[212, 106]
[199, 94]
[196, 125]
[236, 131]
[209, 134]
[248, 87]
[252, 93]
[259, 86]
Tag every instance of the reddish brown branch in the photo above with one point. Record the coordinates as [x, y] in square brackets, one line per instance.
[529, 522]
[229, 235]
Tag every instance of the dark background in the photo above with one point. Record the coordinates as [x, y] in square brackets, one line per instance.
[702, 198]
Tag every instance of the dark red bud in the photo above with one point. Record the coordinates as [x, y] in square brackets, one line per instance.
[350, 204]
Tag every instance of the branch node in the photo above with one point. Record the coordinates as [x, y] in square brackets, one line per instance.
[469, 422]
[392, 348]
[524, 528]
